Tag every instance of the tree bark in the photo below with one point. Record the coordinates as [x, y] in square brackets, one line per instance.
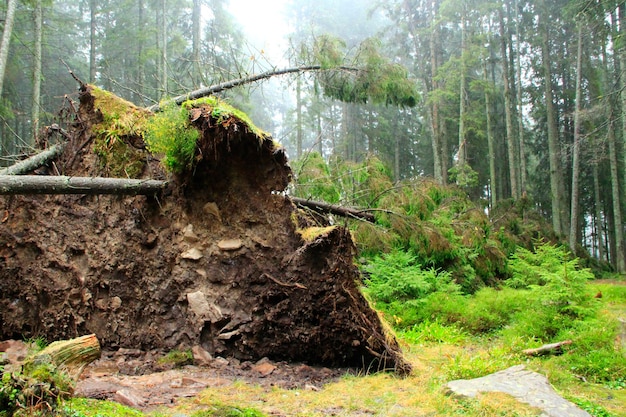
[6, 40]
[35, 184]
[323, 207]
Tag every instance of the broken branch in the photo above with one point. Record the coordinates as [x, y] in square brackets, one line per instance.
[34, 161]
[555, 348]
[323, 207]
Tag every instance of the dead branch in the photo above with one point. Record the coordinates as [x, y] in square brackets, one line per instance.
[554, 348]
[323, 207]
[36, 184]
[34, 161]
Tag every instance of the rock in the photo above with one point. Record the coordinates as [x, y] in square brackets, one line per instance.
[200, 356]
[129, 398]
[115, 303]
[212, 209]
[202, 308]
[189, 235]
[193, 254]
[220, 362]
[230, 244]
[526, 386]
[264, 369]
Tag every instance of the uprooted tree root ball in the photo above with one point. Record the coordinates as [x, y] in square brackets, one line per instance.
[221, 259]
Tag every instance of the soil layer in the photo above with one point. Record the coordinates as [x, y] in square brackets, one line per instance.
[217, 260]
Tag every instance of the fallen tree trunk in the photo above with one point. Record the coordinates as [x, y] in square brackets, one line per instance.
[34, 161]
[555, 348]
[323, 207]
[207, 91]
[35, 184]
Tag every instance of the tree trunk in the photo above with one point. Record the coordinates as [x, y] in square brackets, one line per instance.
[6, 40]
[490, 144]
[36, 184]
[520, 104]
[440, 157]
[196, 30]
[618, 259]
[510, 135]
[38, 20]
[573, 233]
[556, 177]
[163, 75]
[298, 118]
[92, 40]
[462, 152]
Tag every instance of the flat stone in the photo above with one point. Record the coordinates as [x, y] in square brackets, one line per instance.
[128, 397]
[194, 254]
[230, 244]
[524, 385]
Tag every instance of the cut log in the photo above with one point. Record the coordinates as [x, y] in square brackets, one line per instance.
[34, 162]
[70, 356]
[323, 207]
[554, 348]
[35, 184]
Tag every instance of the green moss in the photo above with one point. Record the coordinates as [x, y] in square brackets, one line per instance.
[176, 358]
[170, 133]
[122, 122]
[223, 113]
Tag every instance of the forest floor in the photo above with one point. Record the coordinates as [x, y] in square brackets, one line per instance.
[156, 388]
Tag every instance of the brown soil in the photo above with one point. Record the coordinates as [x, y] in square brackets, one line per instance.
[216, 261]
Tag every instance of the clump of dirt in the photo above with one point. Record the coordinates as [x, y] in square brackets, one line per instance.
[216, 260]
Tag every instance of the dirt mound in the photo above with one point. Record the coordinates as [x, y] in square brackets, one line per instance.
[221, 259]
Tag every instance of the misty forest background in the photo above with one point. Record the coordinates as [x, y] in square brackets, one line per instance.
[517, 100]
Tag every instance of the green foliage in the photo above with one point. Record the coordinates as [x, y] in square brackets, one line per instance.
[428, 331]
[169, 132]
[370, 77]
[39, 385]
[438, 224]
[220, 410]
[397, 276]
[557, 281]
[314, 179]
